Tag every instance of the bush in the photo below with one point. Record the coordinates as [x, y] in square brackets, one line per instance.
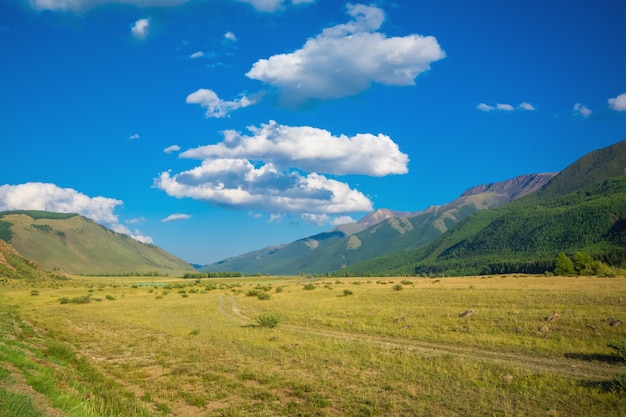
[267, 320]
[34, 292]
[619, 347]
[309, 287]
[347, 292]
[109, 297]
[397, 287]
[263, 295]
[279, 289]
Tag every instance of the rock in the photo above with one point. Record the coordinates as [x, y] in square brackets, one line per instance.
[467, 313]
[553, 317]
[614, 322]
[544, 329]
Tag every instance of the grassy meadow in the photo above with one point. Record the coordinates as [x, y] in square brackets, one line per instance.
[291, 346]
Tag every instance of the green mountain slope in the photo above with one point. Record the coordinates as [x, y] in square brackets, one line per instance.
[381, 232]
[76, 245]
[14, 265]
[567, 215]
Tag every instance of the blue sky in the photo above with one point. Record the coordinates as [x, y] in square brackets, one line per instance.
[216, 127]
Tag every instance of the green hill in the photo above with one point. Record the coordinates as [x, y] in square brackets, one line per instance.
[76, 245]
[378, 233]
[582, 209]
[14, 265]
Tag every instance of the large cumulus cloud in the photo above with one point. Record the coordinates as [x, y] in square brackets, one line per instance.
[281, 169]
[346, 59]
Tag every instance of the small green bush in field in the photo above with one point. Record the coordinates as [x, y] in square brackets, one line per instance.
[308, 287]
[347, 292]
[267, 320]
[397, 287]
[263, 295]
[619, 348]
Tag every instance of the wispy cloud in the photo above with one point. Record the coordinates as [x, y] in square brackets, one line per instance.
[347, 59]
[230, 36]
[505, 107]
[582, 110]
[140, 28]
[198, 54]
[171, 149]
[176, 217]
[618, 103]
[216, 107]
[273, 5]
[49, 197]
[66, 5]
[134, 136]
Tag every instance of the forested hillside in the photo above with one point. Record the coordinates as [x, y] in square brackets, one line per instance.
[524, 236]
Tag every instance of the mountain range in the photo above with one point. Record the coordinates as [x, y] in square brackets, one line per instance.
[518, 225]
[381, 232]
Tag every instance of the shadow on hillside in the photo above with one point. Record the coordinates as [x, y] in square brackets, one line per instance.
[605, 386]
[595, 357]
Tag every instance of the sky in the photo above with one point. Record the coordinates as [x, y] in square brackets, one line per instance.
[212, 128]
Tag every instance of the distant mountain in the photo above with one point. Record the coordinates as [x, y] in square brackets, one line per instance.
[380, 232]
[583, 208]
[76, 245]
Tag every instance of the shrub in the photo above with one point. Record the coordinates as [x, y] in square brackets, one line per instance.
[347, 292]
[308, 287]
[397, 287]
[109, 297]
[34, 292]
[263, 295]
[279, 289]
[619, 347]
[267, 320]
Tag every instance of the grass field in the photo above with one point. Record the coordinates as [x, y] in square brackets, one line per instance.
[302, 347]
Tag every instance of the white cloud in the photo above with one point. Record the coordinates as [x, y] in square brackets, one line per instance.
[339, 220]
[309, 149]
[66, 5]
[75, 5]
[140, 28]
[170, 149]
[347, 59]
[272, 5]
[49, 197]
[175, 217]
[136, 220]
[195, 55]
[135, 136]
[316, 219]
[238, 183]
[230, 36]
[526, 106]
[618, 103]
[504, 107]
[582, 110]
[277, 170]
[215, 106]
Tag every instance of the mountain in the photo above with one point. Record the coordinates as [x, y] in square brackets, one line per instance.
[76, 245]
[380, 232]
[582, 209]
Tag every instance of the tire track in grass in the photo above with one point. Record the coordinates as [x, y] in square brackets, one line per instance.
[578, 369]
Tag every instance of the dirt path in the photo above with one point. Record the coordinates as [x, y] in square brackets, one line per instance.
[579, 369]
